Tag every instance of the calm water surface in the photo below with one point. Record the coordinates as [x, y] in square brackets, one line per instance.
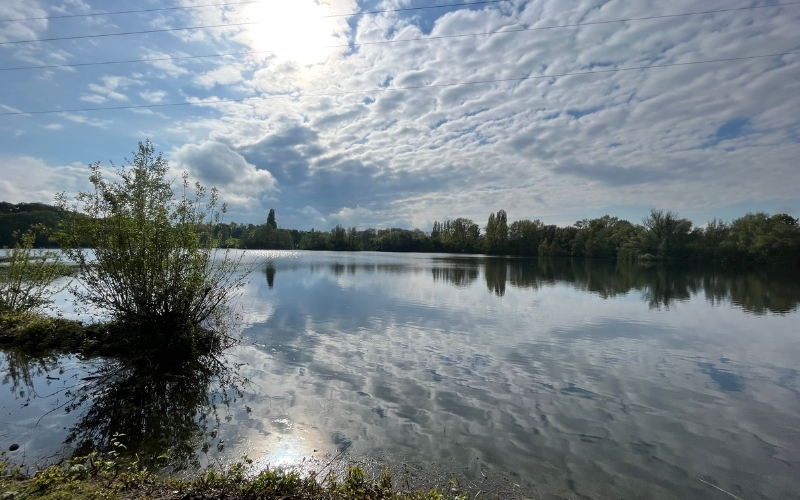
[571, 379]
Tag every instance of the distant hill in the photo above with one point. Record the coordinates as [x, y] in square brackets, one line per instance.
[22, 216]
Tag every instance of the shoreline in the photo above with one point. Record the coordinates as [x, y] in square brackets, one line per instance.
[110, 477]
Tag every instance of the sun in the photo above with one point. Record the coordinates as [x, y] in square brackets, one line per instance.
[297, 30]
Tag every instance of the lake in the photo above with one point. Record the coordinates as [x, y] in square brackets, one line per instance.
[550, 378]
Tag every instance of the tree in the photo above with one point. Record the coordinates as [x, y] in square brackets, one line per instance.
[759, 237]
[600, 238]
[25, 283]
[149, 266]
[461, 235]
[524, 236]
[666, 234]
[271, 219]
[496, 236]
[338, 238]
[353, 242]
[715, 234]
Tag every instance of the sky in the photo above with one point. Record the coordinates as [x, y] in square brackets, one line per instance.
[391, 113]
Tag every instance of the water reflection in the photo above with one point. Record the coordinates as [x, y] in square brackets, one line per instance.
[660, 285]
[571, 378]
[458, 272]
[23, 368]
[269, 271]
[172, 413]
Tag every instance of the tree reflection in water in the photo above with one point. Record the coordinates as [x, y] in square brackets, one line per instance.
[162, 412]
[662, 285]
[460, 272]
[22, 368]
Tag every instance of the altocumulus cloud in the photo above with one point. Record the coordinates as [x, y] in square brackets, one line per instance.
[324, 116]
[214, 164]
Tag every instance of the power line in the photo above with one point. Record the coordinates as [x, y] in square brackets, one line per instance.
[251, 23]
[379, 42]
[389, 89]
[141, 11]
[162, 9]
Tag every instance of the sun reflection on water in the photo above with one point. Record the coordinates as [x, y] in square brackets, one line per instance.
[295, 445]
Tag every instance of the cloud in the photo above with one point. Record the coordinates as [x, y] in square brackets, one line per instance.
[313, 215]
[30, 179]
[225, 75]
[287, 153]
[216, 165]
[83, 119]
[616, 176]
[94, 98]
[165, 66]
[153, 96]
[108, 89]
[21, 30]
[277, 78]
[337, 133]
[10, 109]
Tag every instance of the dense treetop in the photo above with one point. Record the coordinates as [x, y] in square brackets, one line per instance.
[755, 238]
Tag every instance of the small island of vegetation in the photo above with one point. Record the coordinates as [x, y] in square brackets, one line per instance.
[144, 264]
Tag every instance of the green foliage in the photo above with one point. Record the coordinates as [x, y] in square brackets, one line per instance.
[758, 238]
[314, 240]
[755, 239]
[666, 235]
[36, 333]
[496, 236]
[27, 276]
[107, 476]
[151, 265]
[460, 235]
[524, 237]
[21, 217]
[600, 238]
[271, 219]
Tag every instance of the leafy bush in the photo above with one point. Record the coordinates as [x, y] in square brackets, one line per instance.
[146, 259]
[27, 275]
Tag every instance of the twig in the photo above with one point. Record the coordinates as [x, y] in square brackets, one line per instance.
[334, 459]
[720, 489]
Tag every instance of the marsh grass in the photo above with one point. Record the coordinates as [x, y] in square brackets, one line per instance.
[27, 275]
[107, 476]
[36, 333]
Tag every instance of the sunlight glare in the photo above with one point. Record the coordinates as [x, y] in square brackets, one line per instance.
[295, 30]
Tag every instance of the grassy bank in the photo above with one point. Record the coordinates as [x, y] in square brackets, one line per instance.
[39, 333]
[35, 333]
[98, 477]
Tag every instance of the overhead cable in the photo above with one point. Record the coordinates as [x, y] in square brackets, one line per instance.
[192, 7]
[358, 44]
[391, 89]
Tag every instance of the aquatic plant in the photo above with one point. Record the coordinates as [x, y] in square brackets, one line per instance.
[27, 275]
[146, 260]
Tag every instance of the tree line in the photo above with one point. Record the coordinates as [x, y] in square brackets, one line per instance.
[753, 239]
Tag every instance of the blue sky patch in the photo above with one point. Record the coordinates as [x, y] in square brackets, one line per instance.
[731, 129]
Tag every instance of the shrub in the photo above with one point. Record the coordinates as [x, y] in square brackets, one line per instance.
[145, 258]
[27, 275]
